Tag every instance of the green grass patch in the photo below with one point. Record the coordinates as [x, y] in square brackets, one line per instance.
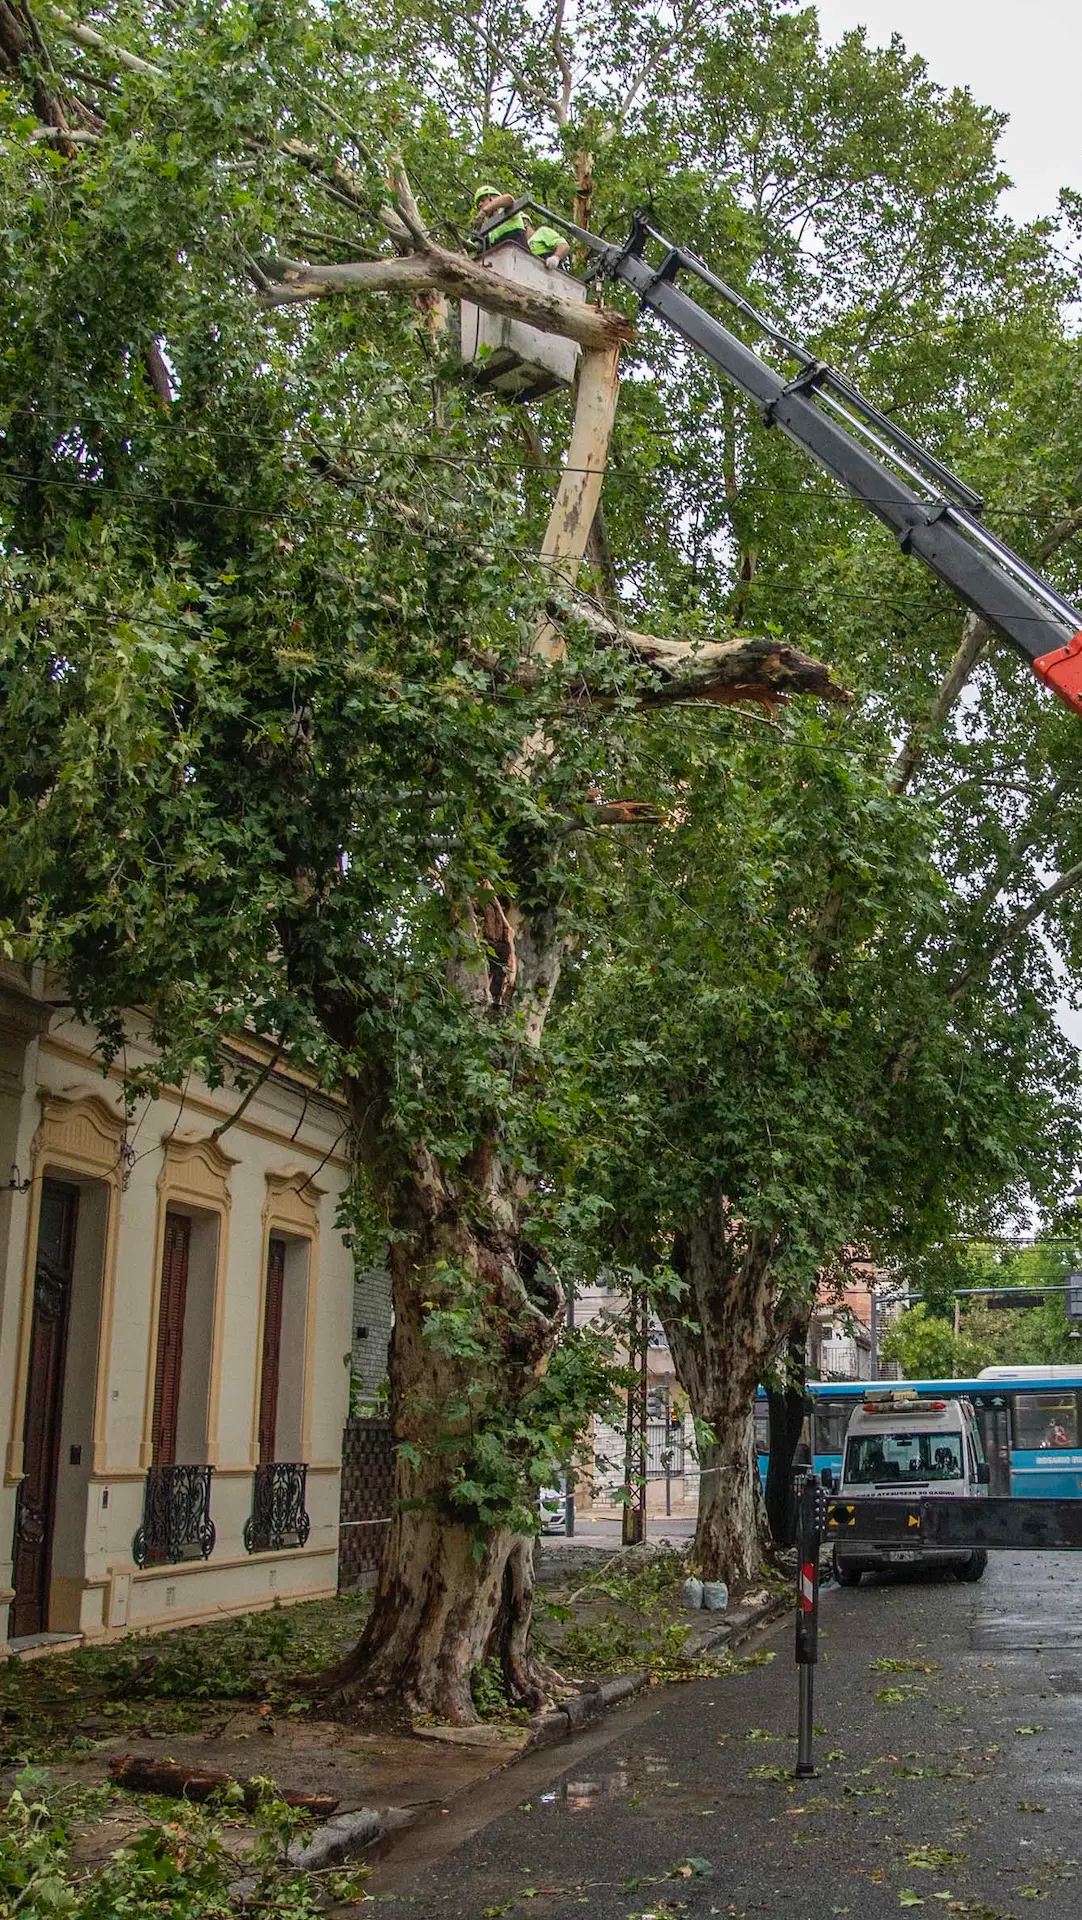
[61, 1705]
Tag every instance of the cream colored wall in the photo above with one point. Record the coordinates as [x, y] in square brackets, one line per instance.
[161, 1150]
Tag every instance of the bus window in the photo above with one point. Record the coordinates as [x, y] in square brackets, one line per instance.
[762, 1430]
[831, 1421]
[1045, 1420]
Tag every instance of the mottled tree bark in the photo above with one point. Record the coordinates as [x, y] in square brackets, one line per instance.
[720, 1358]
[450, 1594]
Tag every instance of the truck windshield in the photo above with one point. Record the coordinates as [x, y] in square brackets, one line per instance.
[872, 1458]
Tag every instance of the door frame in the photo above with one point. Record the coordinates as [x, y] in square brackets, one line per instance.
[62, 1275]
[79, 1139]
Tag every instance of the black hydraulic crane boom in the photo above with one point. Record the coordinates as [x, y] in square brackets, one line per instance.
[932, 513]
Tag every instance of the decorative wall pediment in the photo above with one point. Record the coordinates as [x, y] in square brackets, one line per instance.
[196, 1168]
[293, 1199]
[81, 1132]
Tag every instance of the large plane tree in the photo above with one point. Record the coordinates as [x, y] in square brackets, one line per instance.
[296, 733]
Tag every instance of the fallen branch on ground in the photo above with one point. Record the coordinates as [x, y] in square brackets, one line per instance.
[141, 1774]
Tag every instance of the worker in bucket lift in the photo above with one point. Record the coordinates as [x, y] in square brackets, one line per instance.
[548, 245]
[487, 203]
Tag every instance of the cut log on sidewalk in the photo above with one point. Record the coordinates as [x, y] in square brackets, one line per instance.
[178, 1781]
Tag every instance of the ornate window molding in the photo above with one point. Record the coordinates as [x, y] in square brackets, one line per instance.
[291, 1207]
[195, 1172]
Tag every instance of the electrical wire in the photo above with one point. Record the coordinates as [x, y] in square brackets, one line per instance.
[272, 514]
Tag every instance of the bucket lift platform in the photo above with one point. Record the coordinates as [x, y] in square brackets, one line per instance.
[520, 361]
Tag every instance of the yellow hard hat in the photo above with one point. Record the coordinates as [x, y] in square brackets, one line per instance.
[484, 193]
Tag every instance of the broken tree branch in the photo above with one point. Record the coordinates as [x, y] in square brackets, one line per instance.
[723, 671]
[436, 270]
[178, 1781]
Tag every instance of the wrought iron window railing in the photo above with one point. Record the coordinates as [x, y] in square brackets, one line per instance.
[279, 1517]
[176, 1517]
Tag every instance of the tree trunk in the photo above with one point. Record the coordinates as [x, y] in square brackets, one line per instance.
[452, 1590]
[786, 1402]
[720, 1358]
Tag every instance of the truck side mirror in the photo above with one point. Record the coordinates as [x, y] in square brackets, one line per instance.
[984, 1474]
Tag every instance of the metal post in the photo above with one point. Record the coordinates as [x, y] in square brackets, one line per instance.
[810, 1504]
[668, 1452]
[873, 1357]
[633, 1529]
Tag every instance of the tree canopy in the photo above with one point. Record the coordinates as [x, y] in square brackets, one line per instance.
[279, 746]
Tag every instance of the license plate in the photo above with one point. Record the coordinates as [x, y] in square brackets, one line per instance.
[903, 1553]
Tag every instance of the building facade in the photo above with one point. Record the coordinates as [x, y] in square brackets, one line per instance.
[176, 1310]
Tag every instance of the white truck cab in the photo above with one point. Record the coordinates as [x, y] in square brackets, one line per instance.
[898, 1445]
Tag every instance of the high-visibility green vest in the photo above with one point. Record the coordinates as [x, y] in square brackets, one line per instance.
[516, 224]
[544, 240]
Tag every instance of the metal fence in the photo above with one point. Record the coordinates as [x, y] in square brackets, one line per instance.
[664, 1449]
[367, 1492]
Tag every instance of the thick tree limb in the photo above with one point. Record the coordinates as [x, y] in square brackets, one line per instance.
[976, 637]
[435, 270]
[87, 37]
[23, 53]
[724, 671]
[1045, 899]
[158, 376]
[578, 494]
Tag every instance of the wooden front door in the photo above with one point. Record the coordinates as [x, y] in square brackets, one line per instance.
[35, 1505]
[171, 1308]
[272, 1351]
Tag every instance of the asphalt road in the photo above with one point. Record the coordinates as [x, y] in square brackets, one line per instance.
[951, 1781]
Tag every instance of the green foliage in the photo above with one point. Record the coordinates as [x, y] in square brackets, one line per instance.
[923, 1341]
[927, 1348]
[178, 1866]
[490, 1695]
[163, 1684]
[267, 701]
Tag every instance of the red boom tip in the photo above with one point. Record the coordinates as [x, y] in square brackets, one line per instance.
[1062, 671]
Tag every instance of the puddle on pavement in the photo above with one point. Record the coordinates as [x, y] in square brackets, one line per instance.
[645, 1775]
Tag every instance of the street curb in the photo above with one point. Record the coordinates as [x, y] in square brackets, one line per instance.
[347, 1835]
[594, 1699]
[339, 1838]
[741, 1622]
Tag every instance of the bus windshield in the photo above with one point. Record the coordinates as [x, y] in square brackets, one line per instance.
[872, 1458]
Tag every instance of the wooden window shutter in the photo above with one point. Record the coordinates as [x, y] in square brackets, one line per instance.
[272, 1351]
[174, 1297]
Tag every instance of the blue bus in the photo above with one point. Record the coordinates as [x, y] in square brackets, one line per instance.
[1030, 1421]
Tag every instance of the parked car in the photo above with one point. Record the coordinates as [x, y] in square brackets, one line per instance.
[551, 1504]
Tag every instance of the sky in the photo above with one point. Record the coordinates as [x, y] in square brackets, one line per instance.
[1023, 57]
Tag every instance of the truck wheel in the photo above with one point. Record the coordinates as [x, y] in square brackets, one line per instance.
[846, 1576]
[973, 1568]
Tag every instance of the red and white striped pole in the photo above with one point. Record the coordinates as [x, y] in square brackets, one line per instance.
[809, 1535]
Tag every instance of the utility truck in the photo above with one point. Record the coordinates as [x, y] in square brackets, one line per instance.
[900, 1446]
